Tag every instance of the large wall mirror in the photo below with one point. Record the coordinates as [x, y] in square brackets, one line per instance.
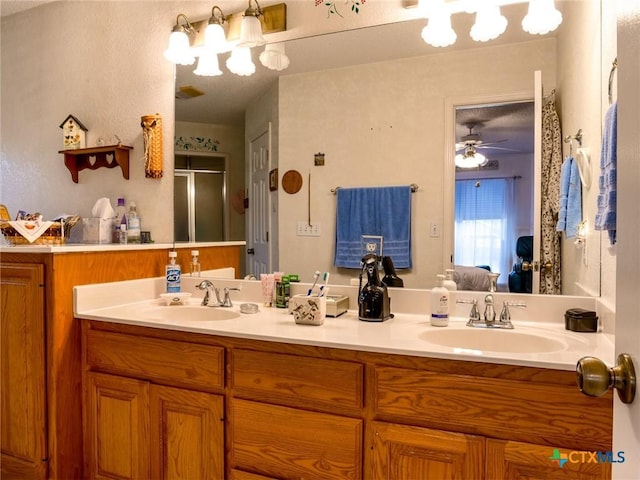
[374, 101]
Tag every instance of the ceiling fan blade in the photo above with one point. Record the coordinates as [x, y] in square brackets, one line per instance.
[486, 144]
[498, 148]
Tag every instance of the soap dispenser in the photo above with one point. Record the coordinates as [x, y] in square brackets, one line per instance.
[440, 304]
[373, 299]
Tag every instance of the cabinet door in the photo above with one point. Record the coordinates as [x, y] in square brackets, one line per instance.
[116, 427]
[23, 388]
[187, 434]
[401, 452]
[508, 460]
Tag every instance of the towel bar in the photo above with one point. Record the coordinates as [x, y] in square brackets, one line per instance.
[414, 188]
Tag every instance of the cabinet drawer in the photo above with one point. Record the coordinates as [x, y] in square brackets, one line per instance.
[171, 362]
[298, 381]
[519, 410]
[284, 442]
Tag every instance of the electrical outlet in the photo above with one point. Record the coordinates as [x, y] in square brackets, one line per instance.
[434, 229]
[306, 230]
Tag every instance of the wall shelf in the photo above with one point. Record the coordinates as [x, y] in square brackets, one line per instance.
[96, 157]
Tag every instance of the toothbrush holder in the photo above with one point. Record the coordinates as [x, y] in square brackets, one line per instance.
[308, 310]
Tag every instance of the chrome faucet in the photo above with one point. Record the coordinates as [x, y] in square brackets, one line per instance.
[489, 317]
[210, 287]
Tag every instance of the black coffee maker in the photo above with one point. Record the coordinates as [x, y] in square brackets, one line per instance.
[373, 298]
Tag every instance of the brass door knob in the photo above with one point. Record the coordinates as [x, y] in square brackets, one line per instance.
[595, 378]
[526, 266]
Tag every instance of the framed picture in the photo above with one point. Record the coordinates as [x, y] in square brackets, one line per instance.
[273, 180]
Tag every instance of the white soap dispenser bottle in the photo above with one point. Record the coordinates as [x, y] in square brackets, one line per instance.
[449, 283]
[439, 304]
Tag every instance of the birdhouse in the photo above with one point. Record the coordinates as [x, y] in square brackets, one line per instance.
[73, 133]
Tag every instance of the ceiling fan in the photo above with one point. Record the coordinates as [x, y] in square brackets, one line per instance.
[473, 140]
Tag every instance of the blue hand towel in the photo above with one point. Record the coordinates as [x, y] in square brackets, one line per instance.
[378, 211]
[607, 198]
[570, 213]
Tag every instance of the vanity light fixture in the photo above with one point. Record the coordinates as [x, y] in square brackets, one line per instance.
[251, 28]
[274, 57]
[542, 17]
[240, 62]
[179, 51]
[490, 23]
[208, 65]
[470, 158]
[438, 31]
[215, 40]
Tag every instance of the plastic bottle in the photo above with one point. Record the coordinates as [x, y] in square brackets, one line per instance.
[122, 234]
[173, 273]
[194, 266]
[449, 283]
[121, 215]
[133, 224]
[439, 304]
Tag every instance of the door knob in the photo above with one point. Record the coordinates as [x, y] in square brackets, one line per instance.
[595, 378]
[251, 251]
[526, 266]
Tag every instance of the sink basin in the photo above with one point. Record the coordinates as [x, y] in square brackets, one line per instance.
[493, 340]
[191, 312]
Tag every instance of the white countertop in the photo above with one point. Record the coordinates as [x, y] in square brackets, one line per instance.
[108, 247]
[405, 334]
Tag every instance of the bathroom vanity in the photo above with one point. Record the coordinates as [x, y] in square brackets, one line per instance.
[41, 362]
[195, 392]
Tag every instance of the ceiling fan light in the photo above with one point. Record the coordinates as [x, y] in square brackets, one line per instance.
[208, 65]
[542, 17]
[240, 62]
[490, 23]
[470, 159]
[274, 57]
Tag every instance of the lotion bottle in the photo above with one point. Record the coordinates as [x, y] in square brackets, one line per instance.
[439, 304]
[173, 273]
[449, 283]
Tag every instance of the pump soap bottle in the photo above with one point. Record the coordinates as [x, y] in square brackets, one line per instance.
[439, 304]
[449, 283]
[173, 273]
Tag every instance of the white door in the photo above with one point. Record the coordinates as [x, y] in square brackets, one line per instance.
[626, 418]
[259, 217]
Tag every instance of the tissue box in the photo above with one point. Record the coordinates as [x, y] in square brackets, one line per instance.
[97, 230]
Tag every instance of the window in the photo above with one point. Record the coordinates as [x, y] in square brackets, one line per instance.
[484, 224]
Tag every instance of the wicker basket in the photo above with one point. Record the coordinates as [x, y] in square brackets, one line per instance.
[56, 234]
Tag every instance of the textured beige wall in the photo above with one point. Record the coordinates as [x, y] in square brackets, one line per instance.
[102, 62]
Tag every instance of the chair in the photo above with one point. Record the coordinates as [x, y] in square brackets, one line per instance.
[521, 281]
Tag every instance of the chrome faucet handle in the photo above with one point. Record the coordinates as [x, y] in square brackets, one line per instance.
[227, 299]
[505, 315]
[489, 311]
[474, 315]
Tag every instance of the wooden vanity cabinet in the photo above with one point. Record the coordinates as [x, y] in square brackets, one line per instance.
[297, 411]
[41, 396]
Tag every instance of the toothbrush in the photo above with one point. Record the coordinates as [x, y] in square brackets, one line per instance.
[325, 279]
[315, 281]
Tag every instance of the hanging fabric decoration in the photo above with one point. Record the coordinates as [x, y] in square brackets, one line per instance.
[152, 137]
